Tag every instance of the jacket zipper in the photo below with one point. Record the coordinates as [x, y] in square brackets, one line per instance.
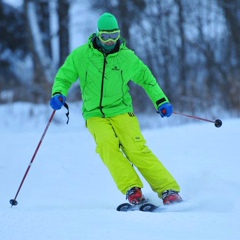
[102, 86]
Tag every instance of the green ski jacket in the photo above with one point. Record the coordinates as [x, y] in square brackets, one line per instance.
[104, 79]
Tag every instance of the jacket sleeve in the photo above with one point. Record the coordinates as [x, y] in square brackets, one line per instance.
[65, 77]
[144, 78]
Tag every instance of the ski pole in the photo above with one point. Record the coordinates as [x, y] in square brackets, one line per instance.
[14, 202]
[217, 122]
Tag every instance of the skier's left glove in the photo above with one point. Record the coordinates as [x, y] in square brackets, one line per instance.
[165, 110]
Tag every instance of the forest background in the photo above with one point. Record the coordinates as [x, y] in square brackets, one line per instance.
[191, 46]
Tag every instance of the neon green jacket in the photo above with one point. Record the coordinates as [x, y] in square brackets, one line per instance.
[104, 79]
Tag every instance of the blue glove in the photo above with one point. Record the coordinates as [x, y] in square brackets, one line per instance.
[165, 110]
[57, 101]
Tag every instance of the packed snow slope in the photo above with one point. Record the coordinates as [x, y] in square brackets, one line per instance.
[69, 195]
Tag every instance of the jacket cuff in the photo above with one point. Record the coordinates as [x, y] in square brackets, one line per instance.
[160, 101]
[56, 93]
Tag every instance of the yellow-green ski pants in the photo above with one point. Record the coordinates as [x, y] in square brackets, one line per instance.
[120, 144]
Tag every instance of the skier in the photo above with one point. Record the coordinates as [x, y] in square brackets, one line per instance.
[104, 66]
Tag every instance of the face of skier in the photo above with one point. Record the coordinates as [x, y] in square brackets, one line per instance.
[109, 37]
[108, 31]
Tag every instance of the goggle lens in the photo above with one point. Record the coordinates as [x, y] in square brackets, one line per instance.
[109, 36]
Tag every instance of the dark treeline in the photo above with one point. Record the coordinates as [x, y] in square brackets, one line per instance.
[191, 46]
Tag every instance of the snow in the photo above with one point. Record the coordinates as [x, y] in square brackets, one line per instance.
[69, 194]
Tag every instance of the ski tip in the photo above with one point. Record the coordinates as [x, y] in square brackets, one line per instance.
[145, 207]
[124, 207]
[148, 207]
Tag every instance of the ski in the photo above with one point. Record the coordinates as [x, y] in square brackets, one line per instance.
[148, 207]
[145, 207]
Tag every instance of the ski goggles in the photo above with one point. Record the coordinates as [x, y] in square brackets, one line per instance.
[106, 36]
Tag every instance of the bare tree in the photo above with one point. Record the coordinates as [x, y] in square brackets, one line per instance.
[42, 71]
[182, 64]
[43, 10]
[231, 85]
[13, 49]
[63, 7]
[232, 14]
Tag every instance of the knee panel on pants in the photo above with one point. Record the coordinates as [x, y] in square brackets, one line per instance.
[107, 142]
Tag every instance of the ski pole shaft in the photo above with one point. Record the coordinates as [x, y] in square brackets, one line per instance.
[14, 202]
[190, 116]
[217, 122]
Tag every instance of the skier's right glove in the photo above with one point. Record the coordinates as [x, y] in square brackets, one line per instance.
[57, 101]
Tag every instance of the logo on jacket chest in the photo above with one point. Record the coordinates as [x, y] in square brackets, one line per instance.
[115, 68]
